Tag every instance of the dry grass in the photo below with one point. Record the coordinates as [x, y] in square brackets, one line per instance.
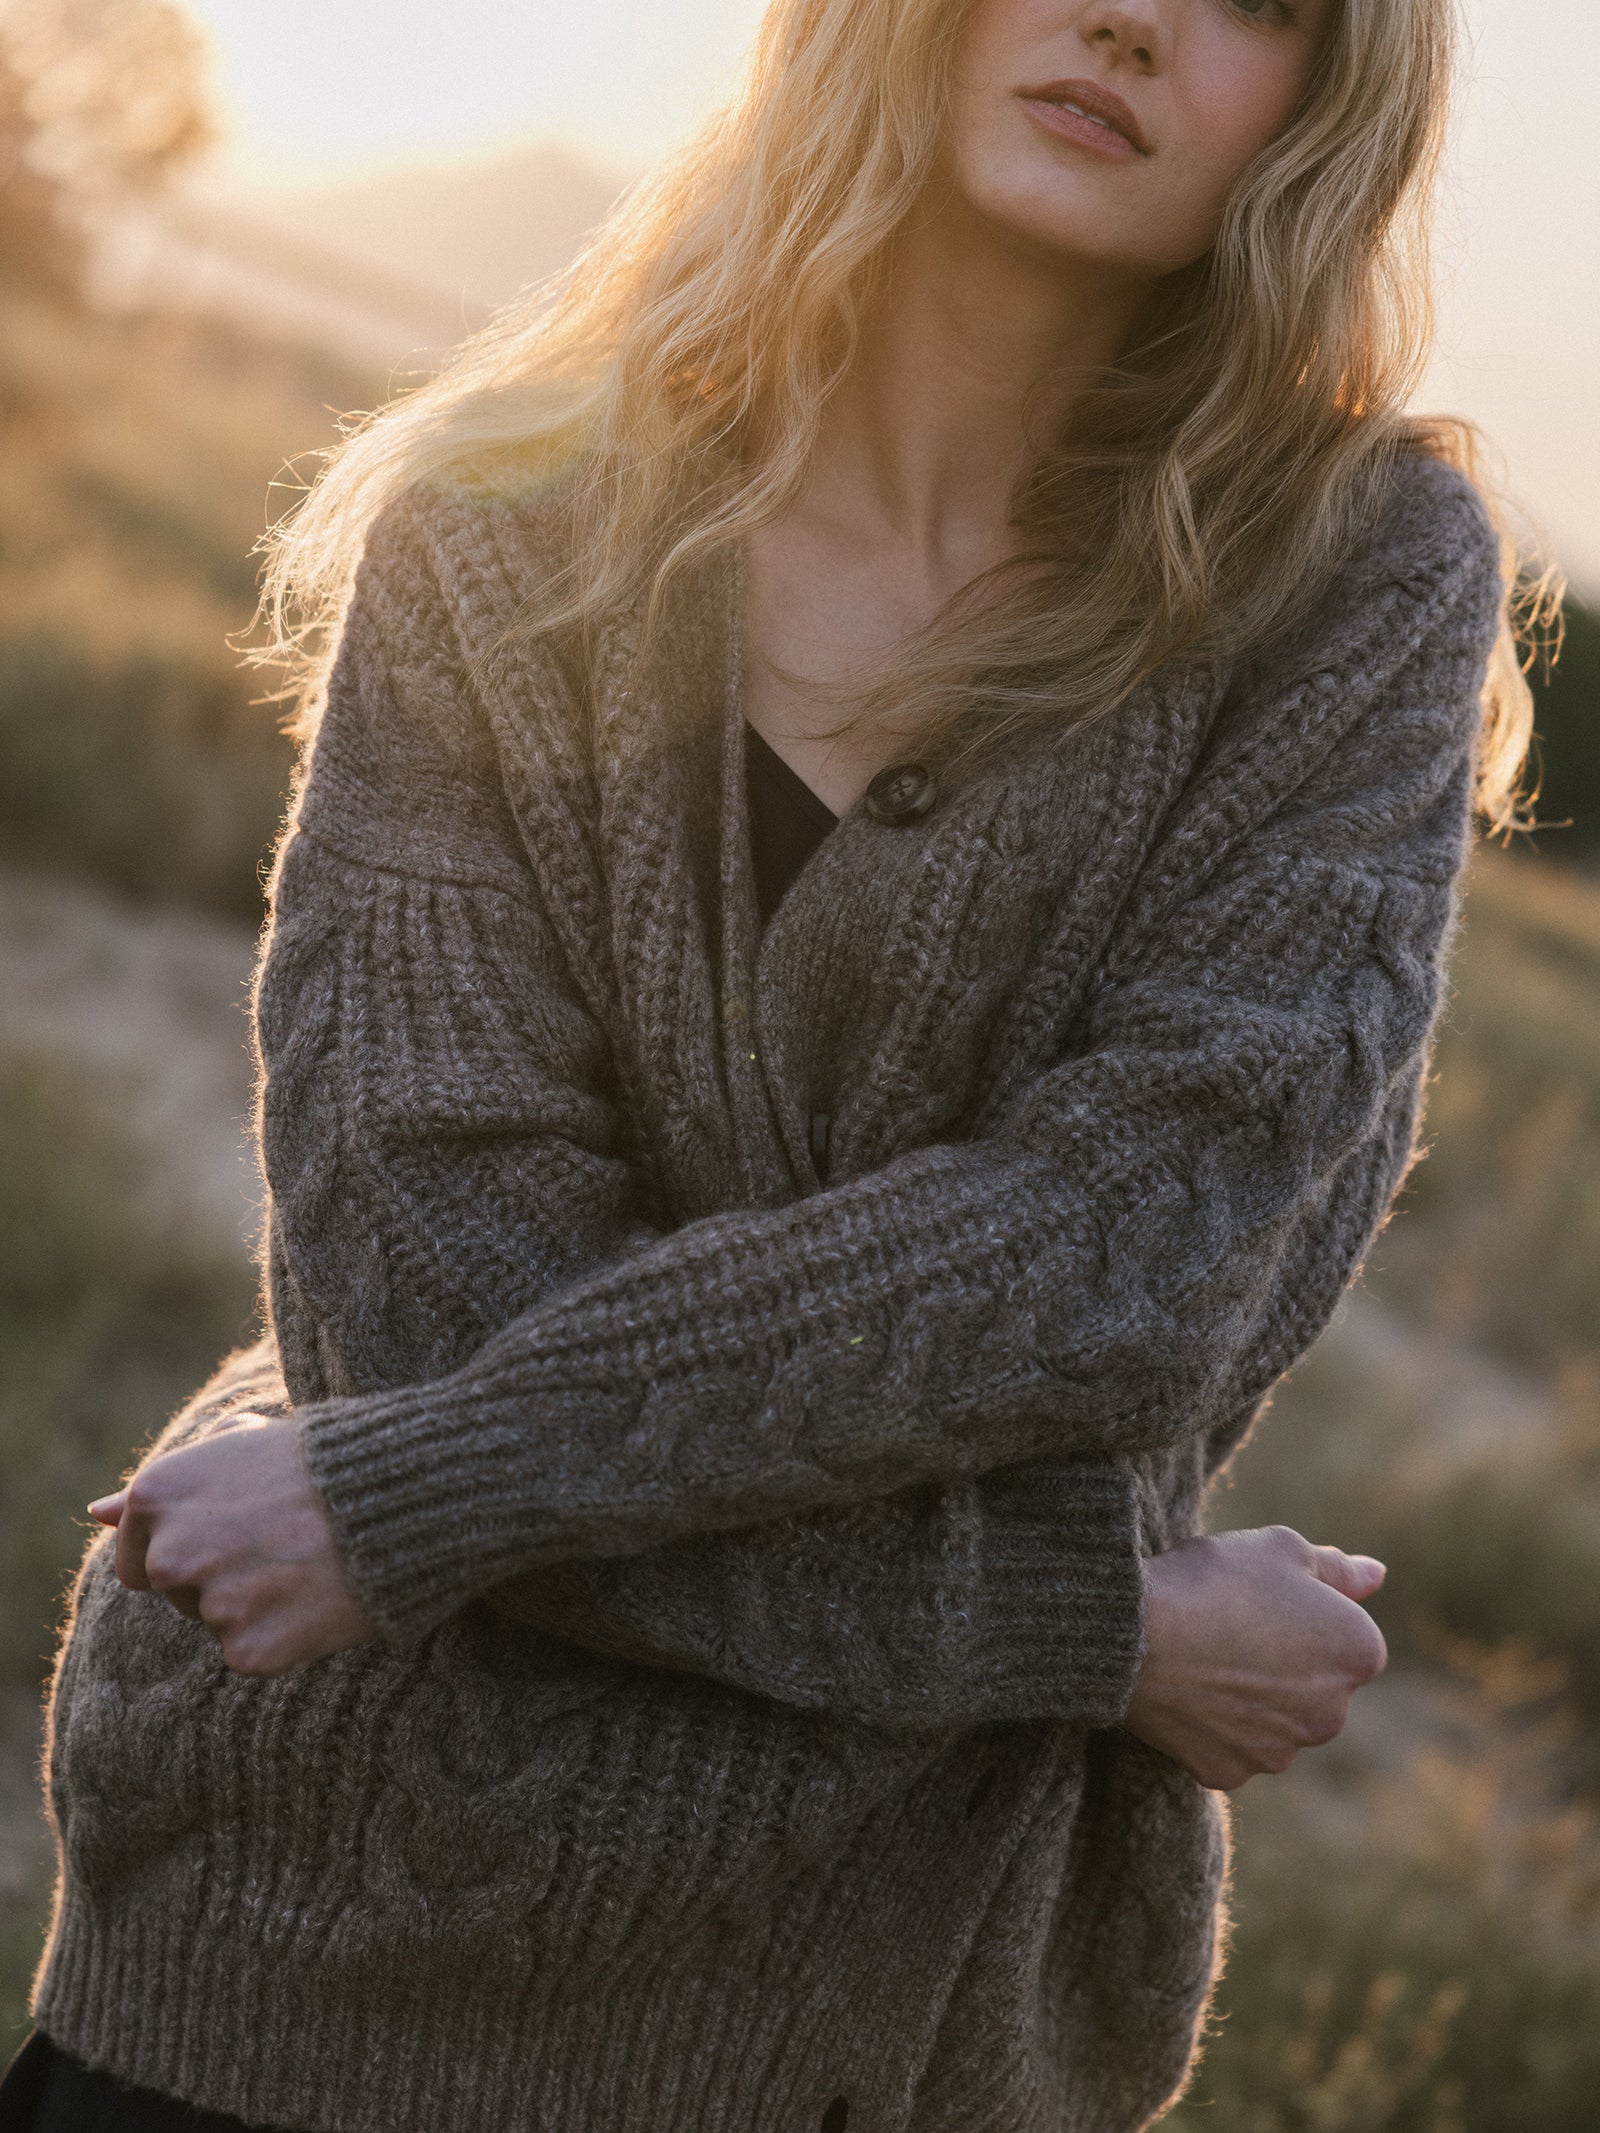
[1417, 1947]
[136, 464]
[1417, 1928]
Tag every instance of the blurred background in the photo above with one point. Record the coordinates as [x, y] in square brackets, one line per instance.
[223, 225]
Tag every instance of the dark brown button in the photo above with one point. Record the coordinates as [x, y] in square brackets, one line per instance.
[837, 2116]
[900, 793]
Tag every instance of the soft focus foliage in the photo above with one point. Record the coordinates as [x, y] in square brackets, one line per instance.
[116, 90]
[98, 98]
[136, 469]
[1567, 741]
[1505, 1247]
[1416, 1950]
[136, 458]
[108, 1317]
[1417, 1946]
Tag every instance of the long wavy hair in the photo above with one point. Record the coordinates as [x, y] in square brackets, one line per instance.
[1203, 489]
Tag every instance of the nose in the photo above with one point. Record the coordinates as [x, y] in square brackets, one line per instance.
[1133, 32]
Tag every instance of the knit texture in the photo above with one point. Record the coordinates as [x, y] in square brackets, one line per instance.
[757, 1553]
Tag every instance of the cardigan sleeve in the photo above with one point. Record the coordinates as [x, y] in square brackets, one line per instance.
[1100, 1272]
[441, 1137]
[1014, 1596]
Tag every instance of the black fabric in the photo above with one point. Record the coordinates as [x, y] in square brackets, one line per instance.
[47, 2090]
[787, 820]
[22, 2084]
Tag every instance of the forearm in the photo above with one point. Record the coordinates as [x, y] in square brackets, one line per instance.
[615, 1420]
[1016, 1596]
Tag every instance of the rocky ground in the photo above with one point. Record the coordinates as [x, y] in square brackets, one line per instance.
[152, 1003]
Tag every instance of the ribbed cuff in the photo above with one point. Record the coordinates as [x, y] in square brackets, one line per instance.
[1053, 1598]
[421, 1530]
[1060, 1628]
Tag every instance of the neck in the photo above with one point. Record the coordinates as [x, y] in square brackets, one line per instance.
[969, 360]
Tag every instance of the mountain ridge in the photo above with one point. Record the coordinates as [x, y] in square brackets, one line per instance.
[471, 233]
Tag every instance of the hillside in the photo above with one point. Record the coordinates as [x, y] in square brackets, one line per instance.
[473, 232]
[138, 469]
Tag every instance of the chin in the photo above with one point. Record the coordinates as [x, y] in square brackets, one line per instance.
[1065, 234]
[1049, 210]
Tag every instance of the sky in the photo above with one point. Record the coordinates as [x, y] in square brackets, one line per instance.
[325, 88]
[334, 86]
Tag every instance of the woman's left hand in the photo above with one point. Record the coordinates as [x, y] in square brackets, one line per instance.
[232, 1531]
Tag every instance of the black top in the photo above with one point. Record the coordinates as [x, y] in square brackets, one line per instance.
[787, 820]
[48, 2090]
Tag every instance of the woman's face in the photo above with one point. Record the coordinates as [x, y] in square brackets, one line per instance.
[1113, 131]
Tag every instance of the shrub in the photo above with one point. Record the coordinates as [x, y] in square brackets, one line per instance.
[106, 1324]
[154, 777]
[1416, 1949]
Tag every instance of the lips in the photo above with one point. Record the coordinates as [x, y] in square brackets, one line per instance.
[1087, 111]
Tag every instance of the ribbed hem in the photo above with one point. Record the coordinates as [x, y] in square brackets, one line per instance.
[834, 1991]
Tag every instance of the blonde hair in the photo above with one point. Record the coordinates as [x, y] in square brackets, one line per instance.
[1206, 487]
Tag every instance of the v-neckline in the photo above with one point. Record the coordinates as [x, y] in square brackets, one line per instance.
[744, 944]
[791, 779]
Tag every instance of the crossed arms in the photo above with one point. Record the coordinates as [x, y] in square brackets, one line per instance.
[882, 1451]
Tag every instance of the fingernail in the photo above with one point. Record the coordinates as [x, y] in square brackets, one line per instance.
[1370, 1563]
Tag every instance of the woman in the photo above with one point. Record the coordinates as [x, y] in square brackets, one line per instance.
[707, 1628]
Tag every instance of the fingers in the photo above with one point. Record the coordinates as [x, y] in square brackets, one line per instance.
[1257, 1642]
[247, 1418]
[154, 1491]
[1356, 1576]
[133, 1540]
[1369, 1662]
[231, 1531]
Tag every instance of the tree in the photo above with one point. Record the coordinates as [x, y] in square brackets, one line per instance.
[98, 99]
[36, 244]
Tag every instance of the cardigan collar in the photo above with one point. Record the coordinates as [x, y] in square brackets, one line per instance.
[889, 970]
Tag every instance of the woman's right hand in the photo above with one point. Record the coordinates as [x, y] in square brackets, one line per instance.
[1255, 1643]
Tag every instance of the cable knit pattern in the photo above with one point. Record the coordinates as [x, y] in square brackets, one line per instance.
[756, 1551]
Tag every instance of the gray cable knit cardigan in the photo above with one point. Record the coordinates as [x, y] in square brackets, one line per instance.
[756, 1552]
